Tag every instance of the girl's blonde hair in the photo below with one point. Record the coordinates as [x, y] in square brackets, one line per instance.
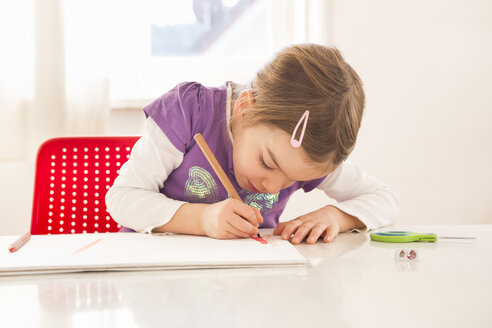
[315, 78]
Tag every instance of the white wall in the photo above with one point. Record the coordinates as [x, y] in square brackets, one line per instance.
[427, 70]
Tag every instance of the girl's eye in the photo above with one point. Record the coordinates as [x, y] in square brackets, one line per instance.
[262, 162]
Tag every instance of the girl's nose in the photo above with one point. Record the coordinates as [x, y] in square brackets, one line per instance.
[271, 187]
[274, 184]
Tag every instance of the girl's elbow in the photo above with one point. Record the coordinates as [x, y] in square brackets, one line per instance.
[392, 204]
[112, 202]
[119, 206]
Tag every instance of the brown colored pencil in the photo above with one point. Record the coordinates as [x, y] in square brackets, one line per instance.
[217, 168]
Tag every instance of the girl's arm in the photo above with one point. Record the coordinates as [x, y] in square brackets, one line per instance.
[360, 196]
[134, 200]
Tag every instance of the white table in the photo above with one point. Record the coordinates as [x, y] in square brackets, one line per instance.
[352, 282]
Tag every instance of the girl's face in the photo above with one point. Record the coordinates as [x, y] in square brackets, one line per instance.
[265, 161]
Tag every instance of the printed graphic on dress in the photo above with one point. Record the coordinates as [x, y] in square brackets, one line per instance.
[201, 187]
[263, 202]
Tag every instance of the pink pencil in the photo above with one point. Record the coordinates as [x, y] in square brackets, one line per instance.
[19, 242]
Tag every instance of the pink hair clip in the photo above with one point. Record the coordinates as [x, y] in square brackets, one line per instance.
[297, 143]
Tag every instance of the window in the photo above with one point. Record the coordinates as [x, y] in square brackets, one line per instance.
[156, 44]
[196, 27]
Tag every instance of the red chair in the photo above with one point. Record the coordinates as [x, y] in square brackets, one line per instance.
[72, 177]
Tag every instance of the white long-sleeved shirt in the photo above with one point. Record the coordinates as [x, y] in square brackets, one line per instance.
[134, 200]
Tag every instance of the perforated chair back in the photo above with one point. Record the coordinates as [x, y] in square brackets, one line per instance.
[72, 177]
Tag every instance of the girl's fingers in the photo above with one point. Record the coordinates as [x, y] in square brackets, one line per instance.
[331, 233]
[236, 232]
[247, 212]
[240, 224]
[226, 235]
[316, 232]
[301, 232]
[279, 228]
[258, 215]
[290, 228]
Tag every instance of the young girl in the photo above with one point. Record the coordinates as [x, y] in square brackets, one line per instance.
[293, 127]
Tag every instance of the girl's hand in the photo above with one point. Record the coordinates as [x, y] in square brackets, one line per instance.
[229, 219]
[326, 223]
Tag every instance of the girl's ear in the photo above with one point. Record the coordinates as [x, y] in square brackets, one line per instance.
[243, 102]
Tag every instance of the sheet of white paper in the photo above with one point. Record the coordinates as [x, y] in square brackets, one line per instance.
[134, 251]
